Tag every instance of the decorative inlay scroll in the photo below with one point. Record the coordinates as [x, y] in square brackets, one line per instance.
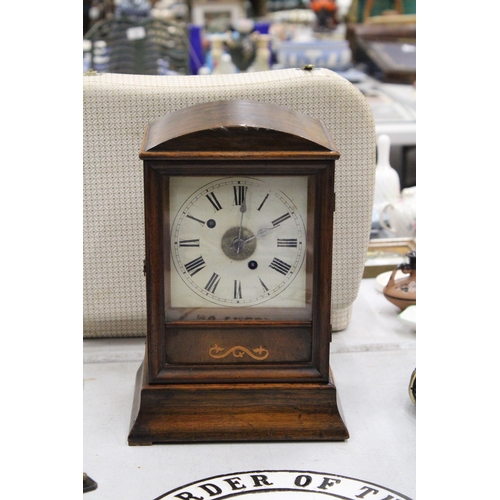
[238, 351]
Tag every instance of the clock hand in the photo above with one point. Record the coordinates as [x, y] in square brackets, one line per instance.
[243, 209]
[241, 243]
[260, 232]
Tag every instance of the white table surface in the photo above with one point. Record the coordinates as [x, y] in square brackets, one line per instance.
[372, 362]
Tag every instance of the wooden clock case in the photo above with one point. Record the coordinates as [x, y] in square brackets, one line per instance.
[182, 395]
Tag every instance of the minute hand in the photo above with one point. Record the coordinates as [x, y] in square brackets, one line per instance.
[243, 209]
[261, 232]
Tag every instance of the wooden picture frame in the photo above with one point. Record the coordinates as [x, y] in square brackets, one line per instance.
[385, 254]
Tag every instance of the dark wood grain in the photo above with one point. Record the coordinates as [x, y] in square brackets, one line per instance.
[235, 412]
[228, 126]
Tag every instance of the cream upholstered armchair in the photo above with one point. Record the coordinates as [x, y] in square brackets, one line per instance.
[117, 109]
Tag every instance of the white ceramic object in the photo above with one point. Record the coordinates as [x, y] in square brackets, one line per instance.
[409, 316]
[387, 184]
[263, 55]
[400, 217]
[382, 279]
[225, 65]
[216, 51]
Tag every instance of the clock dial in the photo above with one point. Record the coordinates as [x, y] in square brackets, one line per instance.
[238, 242]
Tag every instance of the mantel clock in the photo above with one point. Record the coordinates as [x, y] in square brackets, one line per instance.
[239, 203]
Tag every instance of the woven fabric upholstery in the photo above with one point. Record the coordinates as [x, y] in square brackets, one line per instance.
[117, 109]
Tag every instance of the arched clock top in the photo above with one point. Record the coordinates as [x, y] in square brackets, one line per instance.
[236, 127]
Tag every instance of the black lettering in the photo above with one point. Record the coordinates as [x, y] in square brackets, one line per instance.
[188, 496]
[202, 222]
[195, 266]
[239, 194]
[303, 480]
[211, 489]
[213, 282]
[279, 220]
[214, 201]
[287, 242]
[280, 266]
[190, 243]
[328, 482]
[368, 490]
[237, 289]
[260, 480]
[262, 204]
[234, 483]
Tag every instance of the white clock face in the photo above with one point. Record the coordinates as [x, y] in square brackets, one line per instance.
[238, 242]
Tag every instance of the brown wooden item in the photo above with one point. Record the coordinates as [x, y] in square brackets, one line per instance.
[402, 292]
[239, 202]
[382, 45]
[367, 11]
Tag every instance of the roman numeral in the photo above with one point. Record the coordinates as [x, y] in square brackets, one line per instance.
[237, 289]
[211, 286]
[263, 201]
[190, 243]
[202, 222]
[279, 220]
[280, 266]
[214, 201]
[195, 266]
[239, 194]
[264, 285]
[287, 242]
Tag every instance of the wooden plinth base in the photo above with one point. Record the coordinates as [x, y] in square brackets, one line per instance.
[183, 413]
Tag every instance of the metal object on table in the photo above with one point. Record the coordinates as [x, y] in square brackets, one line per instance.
[412, 389]
[88, 483]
